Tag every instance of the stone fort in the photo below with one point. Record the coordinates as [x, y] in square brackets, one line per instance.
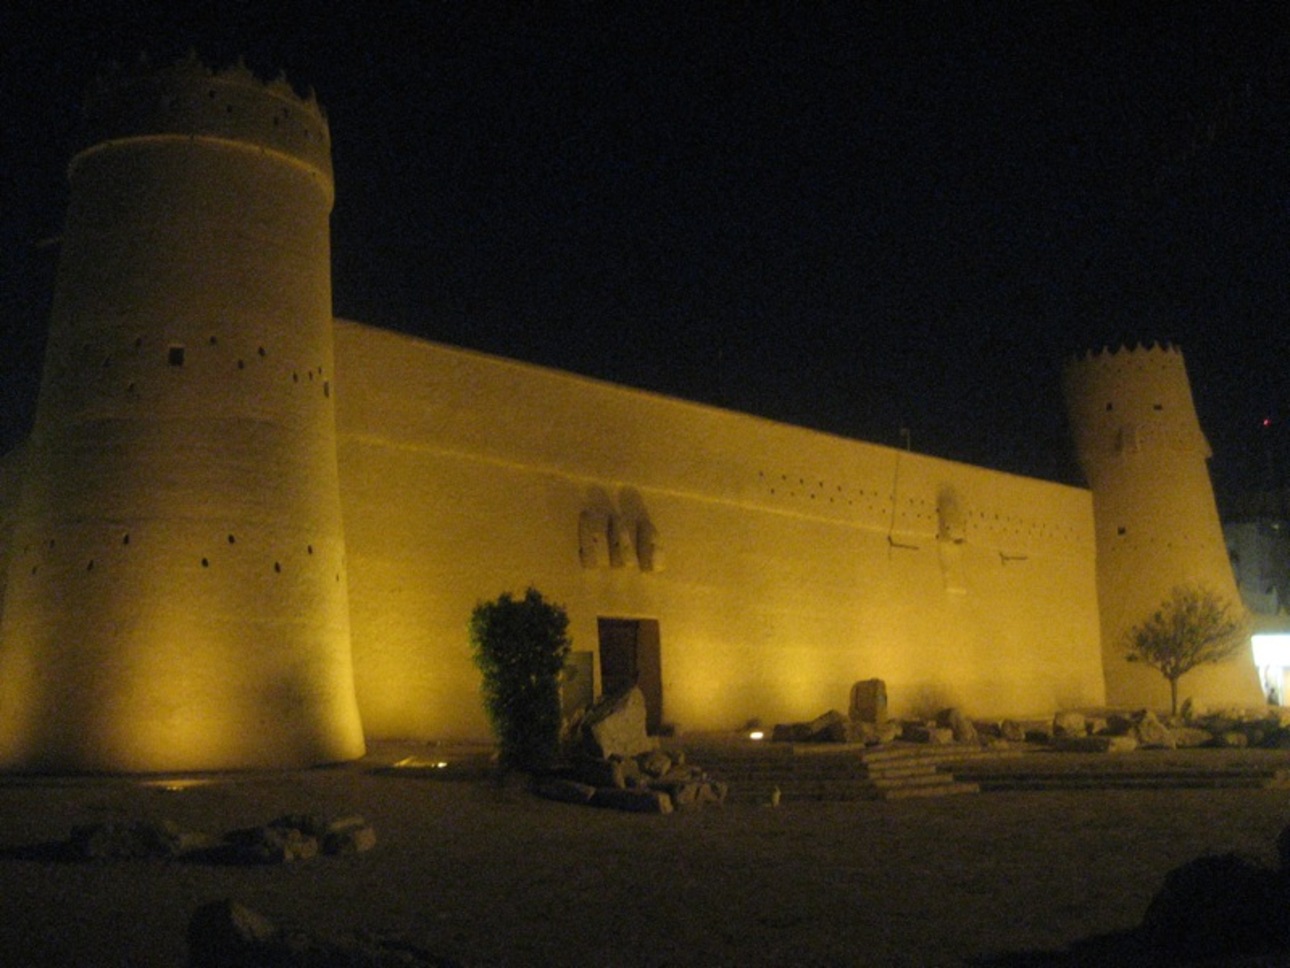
[244, 533]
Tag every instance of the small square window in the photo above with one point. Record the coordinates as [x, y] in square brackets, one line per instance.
[175, 355]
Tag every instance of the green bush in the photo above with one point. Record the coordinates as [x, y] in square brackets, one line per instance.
[520, 647]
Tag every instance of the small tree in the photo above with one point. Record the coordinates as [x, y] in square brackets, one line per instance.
[520, 647]
[1193, 626]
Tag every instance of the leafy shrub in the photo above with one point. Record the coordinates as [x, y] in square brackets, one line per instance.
[520, 646]
[1193, 626]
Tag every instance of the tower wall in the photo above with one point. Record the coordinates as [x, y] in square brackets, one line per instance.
[1144, 455]
[176, 596]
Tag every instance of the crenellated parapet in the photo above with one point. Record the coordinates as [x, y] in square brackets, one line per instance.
[190, 100]
[1132, 400]
[176, 593]
[1144, 456]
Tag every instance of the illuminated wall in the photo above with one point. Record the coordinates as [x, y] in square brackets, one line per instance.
[781, 564]
[1145, 458]
[176, 593]
[225, 488]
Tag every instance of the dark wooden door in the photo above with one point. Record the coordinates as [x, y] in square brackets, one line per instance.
[630, 656]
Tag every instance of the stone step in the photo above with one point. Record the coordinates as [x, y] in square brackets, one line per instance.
[1115, 783]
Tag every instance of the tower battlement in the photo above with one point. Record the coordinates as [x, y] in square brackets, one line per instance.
[1130, 399]
[189, 99]
[1144, 456]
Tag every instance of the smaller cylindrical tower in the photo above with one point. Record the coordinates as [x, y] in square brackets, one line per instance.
[176, 596]
[1144, 456]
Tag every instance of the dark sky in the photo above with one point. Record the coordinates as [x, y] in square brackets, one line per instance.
[853, 217]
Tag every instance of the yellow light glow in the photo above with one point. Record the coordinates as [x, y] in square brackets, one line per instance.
[417, 763]
[177, 784]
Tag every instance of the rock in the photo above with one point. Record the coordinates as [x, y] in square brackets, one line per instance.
[958, 724]
[1187, 737]
[1094, 744]
[224, 934]
[271, 844]
[714, 792]
[869, 701]
[615, 726]
[831, 727]
[1232, 739]
[132, 841]
[932, 735]
[685, 795]
[655, 763]
[1012, 731]
[1039, 732]
[1069, 724]
[348, 835]
[873, 734]
[634, 801]
[1217, 906]
[790, 733]
[1151, 733]
[602, 773]
[309, 824]
[565, 791]
[1118, 725]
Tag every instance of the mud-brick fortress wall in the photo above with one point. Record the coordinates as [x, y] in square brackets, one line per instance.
[176, 591]
[1145, 457]
[781, 564]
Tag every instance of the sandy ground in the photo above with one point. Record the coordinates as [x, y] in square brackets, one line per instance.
[492, 876]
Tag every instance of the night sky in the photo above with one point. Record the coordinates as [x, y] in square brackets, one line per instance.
[851, 217]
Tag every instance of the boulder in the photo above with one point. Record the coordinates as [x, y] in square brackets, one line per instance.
[655, 763]
[565, 791]
[1117, 724]
[831, 727]
[225, 934]
[1012, 731]
[1151, 733]
[1070, 724]
[602, 773]
[958, 724]
[1039, 732]
[869, 701]
[932, 735]
[615, 726]
[873, 734]
[132, 841]
[790, 733]
[1187, 737]
[348, 835]
[271, 844]
[634, 801]
[1232, 739]
[1094, 744]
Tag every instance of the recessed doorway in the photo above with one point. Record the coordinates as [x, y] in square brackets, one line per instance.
[630, 656]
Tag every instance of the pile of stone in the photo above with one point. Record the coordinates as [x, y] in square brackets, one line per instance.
[1125, 731]
[613, 762]
[289, 838]
[1066, 731]
[225, 934]
[833, 727]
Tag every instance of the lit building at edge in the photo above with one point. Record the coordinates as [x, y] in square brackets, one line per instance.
[240, 528]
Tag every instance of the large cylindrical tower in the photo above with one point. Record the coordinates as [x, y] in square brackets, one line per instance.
[176, 597]
[1144, 456]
